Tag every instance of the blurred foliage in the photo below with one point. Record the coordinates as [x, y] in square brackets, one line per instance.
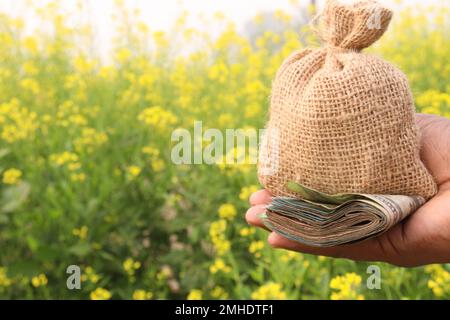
[86, 176]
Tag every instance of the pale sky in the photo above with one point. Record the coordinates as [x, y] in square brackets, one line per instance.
[161, 14]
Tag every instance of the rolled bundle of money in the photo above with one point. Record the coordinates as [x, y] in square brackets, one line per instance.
[342, 121]
[318, 219]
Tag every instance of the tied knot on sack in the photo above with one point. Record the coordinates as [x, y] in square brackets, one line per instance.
[346, 27]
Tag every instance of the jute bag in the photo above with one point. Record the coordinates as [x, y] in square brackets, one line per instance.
[341, 120]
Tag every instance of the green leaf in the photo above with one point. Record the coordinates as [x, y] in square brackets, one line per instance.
[47, 254]
[4, 152]
[14, 196]
[317, 196]
[107, 256]
[4, 219]
[24, 268]
[33, 244]
[80, 249]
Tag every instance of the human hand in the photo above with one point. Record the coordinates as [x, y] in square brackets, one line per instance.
[422, 238]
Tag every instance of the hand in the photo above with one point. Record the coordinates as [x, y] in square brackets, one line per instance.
[422, 238]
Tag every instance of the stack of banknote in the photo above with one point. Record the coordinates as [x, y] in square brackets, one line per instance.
[318, 219]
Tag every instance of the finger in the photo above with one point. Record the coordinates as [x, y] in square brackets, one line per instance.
[252, 215]
[260, 197]
[367, 250]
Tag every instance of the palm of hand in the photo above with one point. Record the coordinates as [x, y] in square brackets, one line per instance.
[422, 238]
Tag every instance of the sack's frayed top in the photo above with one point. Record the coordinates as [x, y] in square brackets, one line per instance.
[344, 120]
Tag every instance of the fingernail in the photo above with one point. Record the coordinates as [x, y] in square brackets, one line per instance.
[250, 200]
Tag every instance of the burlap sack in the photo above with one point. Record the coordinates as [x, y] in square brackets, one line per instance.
[341, 120]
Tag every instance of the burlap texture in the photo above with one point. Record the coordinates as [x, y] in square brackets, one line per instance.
[345, 120]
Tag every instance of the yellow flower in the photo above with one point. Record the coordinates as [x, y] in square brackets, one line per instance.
[74, 166]
[158, 165]
[134, 171]
[123, 54]
[30, 85]
[78, 177]
[4, 280]
[35, 282]
[146, 80]
[61, 159]
[12, 176]
[219, 293]
[130, 266]
[142, 27]
[16, 122]
[40, 280]
[227, 211]
[217, 234]
[225, 120]
[89, 274]
[217, 228]
[439, 281]
[269, 291]
[218, 72]
[30, 68]
[282, 16]
[219, 265]
[77, 119]
[433, 102]
[100, 294]
[258, 19]
[83, 65]
[255, 248]
[107, 72]
[30, 43]
[291, 256]
[195, 294]
[160, 39]
[347, 287]
[89, 139]
[245, 232]
[222, 246]
[150, 151]
[81, 232]
[246, 192]
[157, 117]
[142, 295]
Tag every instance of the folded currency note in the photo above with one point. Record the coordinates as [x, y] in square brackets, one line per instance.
[319, 219]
